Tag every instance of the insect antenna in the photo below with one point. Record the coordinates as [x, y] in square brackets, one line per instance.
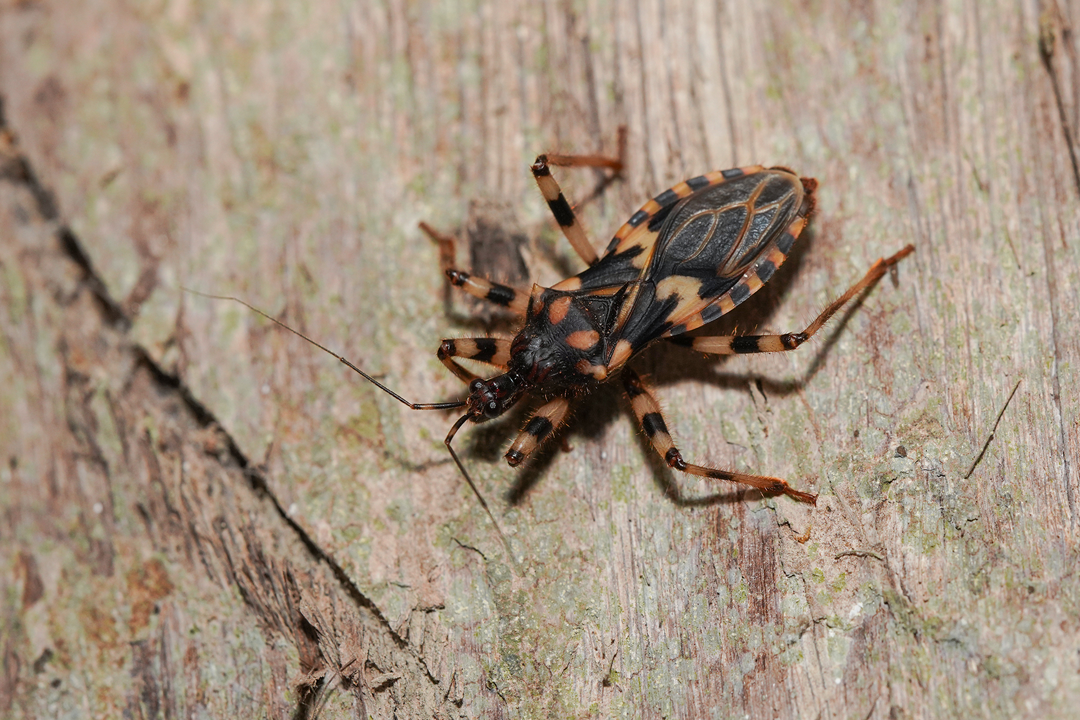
[415, 406]
[476, 491]
[346, 362]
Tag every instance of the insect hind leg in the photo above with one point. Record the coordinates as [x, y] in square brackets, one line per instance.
[647, 411]
[560, 207]
[749, 344]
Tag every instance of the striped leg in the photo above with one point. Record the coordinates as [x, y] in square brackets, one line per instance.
[739, 344]
[540, 426]
[652, 422]
[564, 214]
[515, 300]
[493, 351]
[560, 208]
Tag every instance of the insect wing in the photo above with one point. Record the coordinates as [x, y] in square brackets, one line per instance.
[629, 254]
[713, 250]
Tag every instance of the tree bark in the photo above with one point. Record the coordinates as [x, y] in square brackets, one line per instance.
[206, 516]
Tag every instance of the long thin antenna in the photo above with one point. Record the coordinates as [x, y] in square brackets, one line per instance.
[373, 381]
[415, 406]
[476, 491]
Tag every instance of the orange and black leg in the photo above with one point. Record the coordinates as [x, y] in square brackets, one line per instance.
[560, 208]
[746, 344]
[493, 351]
[517, 301]
[647, 411]
[539, 428]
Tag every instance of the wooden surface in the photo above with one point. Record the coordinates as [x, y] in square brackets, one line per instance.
[205, 517]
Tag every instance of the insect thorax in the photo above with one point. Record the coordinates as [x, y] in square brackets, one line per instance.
[562, 347]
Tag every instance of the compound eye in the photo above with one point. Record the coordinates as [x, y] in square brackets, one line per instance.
[476, 385]
[492, 409]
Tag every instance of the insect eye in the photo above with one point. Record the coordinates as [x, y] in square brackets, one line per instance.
[493, 409]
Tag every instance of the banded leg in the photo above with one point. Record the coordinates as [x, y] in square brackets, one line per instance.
[564, 214]
[540, 426]
[517, 301]
[560, 208]
[740, 344]
[493, 351]
[647, 411]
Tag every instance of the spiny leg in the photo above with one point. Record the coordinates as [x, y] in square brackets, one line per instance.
[493, 351]
[540, 426]
[517, 301]
[647, 411]
[740, 344]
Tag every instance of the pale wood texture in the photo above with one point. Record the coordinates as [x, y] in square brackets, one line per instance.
[205, 517]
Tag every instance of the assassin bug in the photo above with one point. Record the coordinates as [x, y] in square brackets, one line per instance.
[687, 257]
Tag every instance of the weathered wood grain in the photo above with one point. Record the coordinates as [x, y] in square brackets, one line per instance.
[205, 515]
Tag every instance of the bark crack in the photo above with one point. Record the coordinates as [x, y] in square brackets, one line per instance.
[17, 169]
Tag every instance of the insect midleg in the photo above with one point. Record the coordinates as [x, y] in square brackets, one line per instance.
[740, 344]
[447, 246]
[517, 301]
[647, 411]
[493, 351]
[540, 427]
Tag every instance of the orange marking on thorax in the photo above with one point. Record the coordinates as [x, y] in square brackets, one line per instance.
[583, 339]
[558, 309]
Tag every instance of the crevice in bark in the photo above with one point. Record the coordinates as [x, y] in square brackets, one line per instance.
[17, 169]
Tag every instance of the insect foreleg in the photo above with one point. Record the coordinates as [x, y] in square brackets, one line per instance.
[493, 351]
[539, 428]
[647, 411]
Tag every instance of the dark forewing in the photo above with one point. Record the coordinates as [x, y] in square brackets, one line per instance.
[632, 249]
[703, 254]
